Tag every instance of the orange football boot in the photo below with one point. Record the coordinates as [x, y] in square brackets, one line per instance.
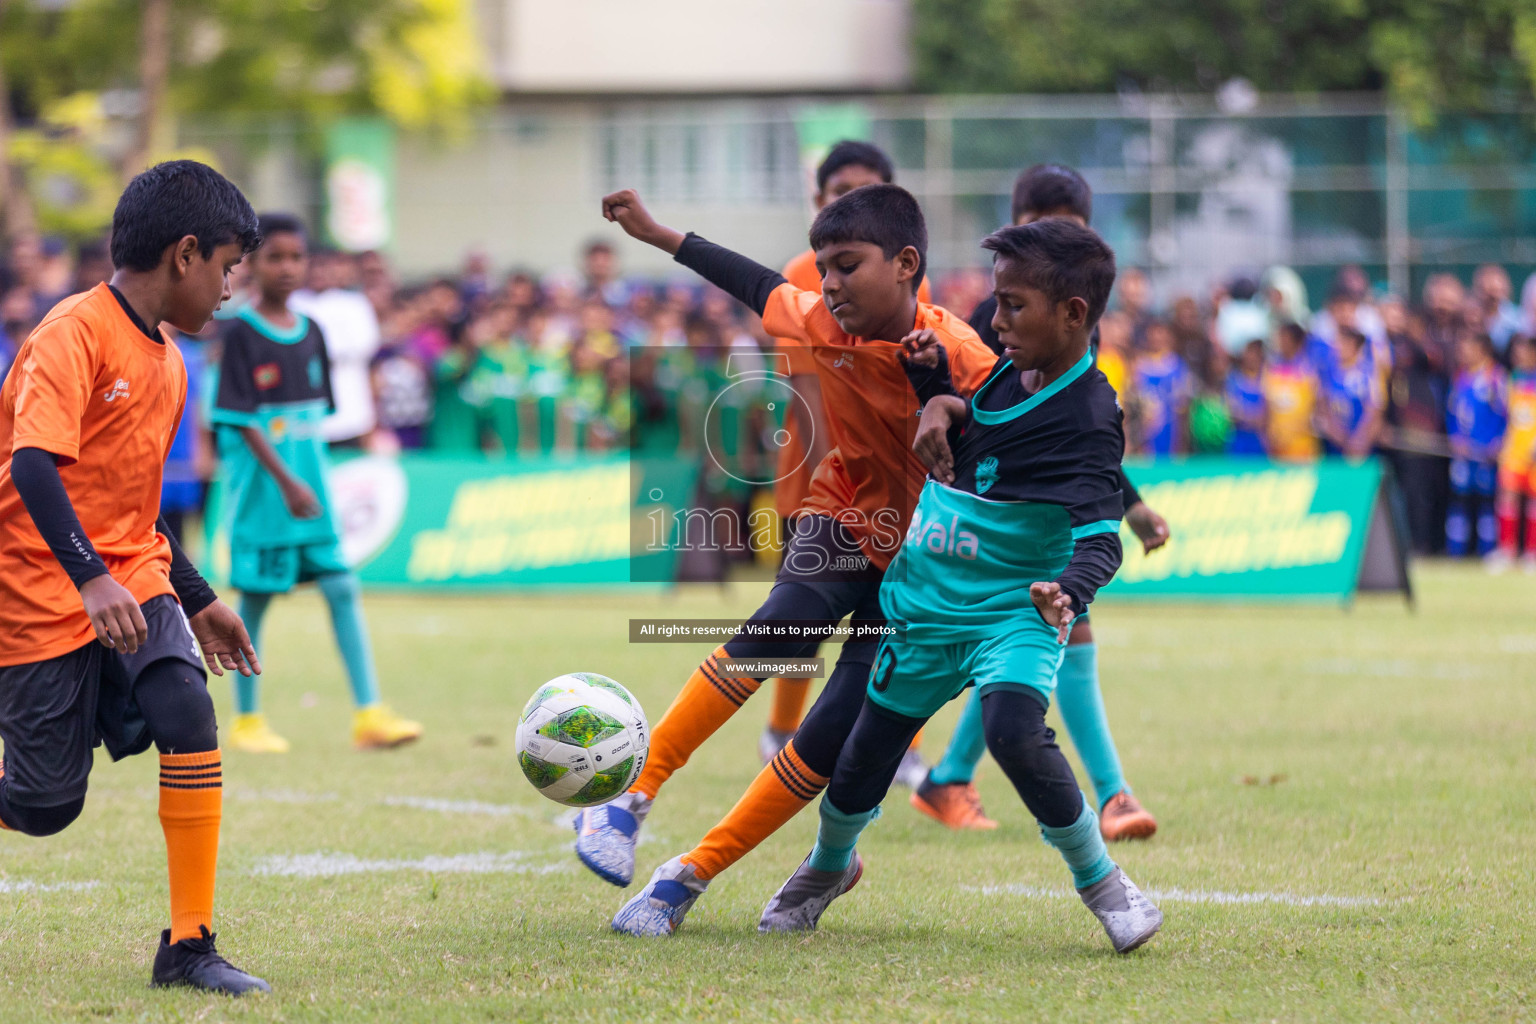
[956, 805]
[1123, 817]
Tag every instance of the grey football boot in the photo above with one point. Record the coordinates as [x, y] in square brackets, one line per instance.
[1128, 917]
[801, 901]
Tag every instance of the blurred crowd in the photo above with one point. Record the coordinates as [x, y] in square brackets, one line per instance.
[520, 365]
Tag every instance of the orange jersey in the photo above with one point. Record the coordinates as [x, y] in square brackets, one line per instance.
[89, 387]
[1519, 450]
[792, 476]
[871, 482]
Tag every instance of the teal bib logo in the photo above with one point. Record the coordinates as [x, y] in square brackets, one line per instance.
[986, 474]
[314, 371]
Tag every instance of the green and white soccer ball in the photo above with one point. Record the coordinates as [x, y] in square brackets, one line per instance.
[582, 739]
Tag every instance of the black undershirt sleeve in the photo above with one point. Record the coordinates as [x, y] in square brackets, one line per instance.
[744, 278]
[36, 475]
[1095, 560]
[192, 590]
[1128, 492]
[928, 382]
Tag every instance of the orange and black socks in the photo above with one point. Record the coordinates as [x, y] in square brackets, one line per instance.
[780, 791]
[706, 702]
[191, 809]
[789, 697]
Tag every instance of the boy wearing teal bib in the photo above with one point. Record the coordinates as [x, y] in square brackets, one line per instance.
[1015, 531]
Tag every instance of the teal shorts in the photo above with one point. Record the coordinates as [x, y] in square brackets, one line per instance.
[916, 680]
[279, 570]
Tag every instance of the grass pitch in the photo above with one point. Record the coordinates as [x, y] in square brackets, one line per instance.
[1346, 801]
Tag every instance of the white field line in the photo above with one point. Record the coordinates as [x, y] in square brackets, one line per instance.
[1187, 896]
[427, 803]
[26, 885]
[329, 865]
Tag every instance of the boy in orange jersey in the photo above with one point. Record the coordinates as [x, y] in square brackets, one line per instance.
[99, 608]
[870, 247]
[847, 166]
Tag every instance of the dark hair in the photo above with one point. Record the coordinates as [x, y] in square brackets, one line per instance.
[1063, 259]
[280, 224]
[883, 215]
[1342, 294]
[849, 153]
[1243, 288]
[1293, 329]
[175, 199]
[1353, 335]
[1047, 187]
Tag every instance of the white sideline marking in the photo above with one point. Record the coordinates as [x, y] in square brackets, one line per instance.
[27, 885]
[427, 803]
[328, 865]
[1187, 896]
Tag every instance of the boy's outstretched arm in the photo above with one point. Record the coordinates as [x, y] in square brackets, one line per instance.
[744, 278]
[114, 614]
[297, 495]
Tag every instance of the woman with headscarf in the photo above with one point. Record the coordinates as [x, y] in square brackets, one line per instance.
[1286, 295]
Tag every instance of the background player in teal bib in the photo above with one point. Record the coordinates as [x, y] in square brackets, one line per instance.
[1015, 531]
[274, 390]
[948, 794]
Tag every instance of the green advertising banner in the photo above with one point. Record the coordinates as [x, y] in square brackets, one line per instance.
[475, 522]
[360, 183]
[1254, 529]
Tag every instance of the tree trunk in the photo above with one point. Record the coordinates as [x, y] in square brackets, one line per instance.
[16, 214]
[154, 67]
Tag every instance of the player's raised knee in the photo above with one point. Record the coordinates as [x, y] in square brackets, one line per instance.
[43, 821]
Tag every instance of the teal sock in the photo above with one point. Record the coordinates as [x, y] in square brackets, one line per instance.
[253, 608]
[1081, 846]
[1082, 711]
[965, 747]
[345, 598]
[837, 836]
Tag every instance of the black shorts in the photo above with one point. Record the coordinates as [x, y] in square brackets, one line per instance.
[54, 712]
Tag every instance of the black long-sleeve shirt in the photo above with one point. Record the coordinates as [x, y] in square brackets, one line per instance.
[740, 276]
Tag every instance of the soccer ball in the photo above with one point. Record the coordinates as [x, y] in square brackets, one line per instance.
[582, 739]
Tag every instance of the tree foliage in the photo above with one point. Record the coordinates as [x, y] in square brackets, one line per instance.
[1429, 55]
[414, 61]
